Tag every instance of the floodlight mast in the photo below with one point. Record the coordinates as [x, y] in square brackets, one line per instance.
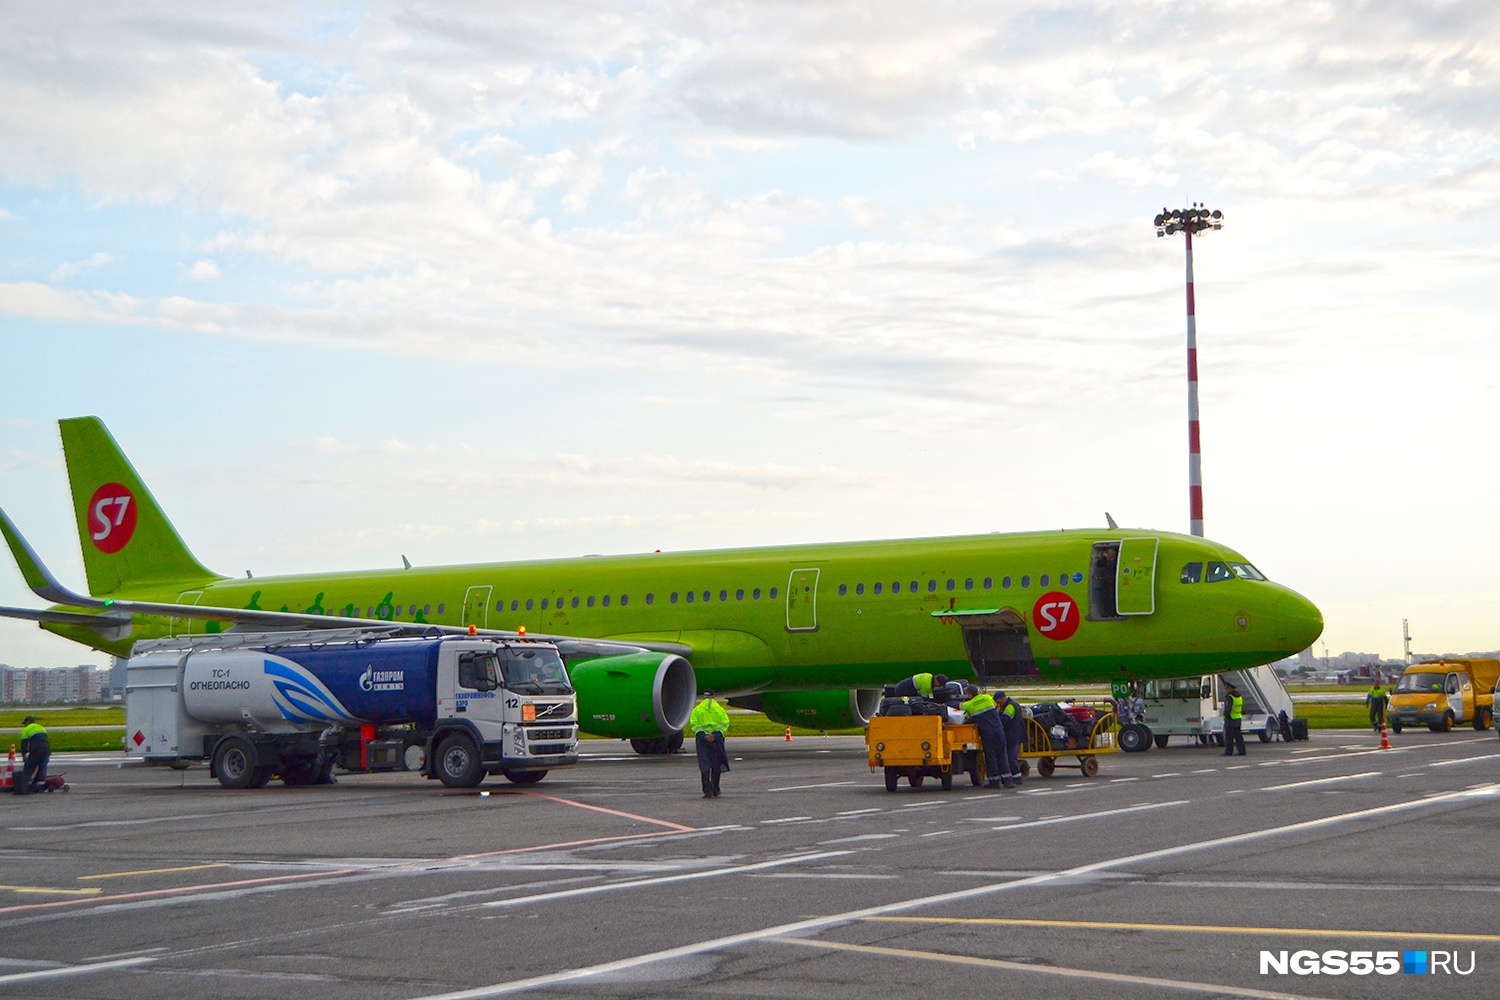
[1194, 219]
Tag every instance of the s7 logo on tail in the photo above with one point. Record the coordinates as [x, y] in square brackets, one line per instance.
[111, 517]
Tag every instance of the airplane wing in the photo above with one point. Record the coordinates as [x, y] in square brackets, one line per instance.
[118, 613]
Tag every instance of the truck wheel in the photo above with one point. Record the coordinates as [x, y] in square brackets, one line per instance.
[947, 781]
[262, 778]
[915, 780]
[976, 768]
[892, 776]
[234, 763]
[1046, 766]
[1267, 734]
[1443, 725]
[1089, 766]
[458, 762]
[1134, 738]
[1161, 742]
[524, 777]
[1395, 725]
[1482, 719]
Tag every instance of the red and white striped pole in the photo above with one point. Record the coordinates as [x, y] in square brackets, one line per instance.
[1195, 442]
[1188, 221]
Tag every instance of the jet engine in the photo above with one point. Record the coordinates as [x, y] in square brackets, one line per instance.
[634, 696]
[844, 709]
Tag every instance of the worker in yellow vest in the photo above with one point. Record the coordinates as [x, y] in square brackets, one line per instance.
[1234, 712]
[710, 722]
[1375, 702]
[35, 752]
[920, 684]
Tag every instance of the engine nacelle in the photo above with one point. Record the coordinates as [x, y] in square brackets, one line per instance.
[815, 709]
[636, 696]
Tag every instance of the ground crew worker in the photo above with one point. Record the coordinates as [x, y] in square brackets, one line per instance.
[1234, 711]
[985, 715]
[710, 722]
[1375, 702]
[920, 684]
[1015, 734]
[35, 750]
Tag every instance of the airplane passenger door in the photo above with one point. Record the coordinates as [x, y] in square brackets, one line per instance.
[802, 601]
[1135, 586]
[477, 606]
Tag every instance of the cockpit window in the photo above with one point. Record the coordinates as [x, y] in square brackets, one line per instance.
[1218, 572]
[1192, 572]
[1245, 571]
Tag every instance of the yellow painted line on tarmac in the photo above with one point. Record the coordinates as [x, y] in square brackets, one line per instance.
[154, 871]
[1113, 978]
[1110, 925]
[44, 889]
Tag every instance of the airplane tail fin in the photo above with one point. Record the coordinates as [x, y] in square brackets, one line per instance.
[126, 538]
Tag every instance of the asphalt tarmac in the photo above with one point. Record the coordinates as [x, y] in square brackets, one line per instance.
[1168, 874]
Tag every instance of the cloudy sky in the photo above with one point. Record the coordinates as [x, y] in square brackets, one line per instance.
[485, 281]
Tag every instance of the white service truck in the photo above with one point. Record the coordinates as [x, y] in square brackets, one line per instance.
[295, 705]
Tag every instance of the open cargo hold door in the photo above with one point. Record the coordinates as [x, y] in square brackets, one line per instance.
[1135, 586]
[997, 645]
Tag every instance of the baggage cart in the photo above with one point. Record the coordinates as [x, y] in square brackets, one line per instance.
[1045, 748]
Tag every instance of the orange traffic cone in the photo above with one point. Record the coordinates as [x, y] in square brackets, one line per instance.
[788, 734]
[1385, 741]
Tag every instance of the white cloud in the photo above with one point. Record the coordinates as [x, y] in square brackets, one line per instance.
[71, 269]
[203, 270]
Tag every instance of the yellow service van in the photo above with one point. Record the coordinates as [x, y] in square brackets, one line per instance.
[1445, 693]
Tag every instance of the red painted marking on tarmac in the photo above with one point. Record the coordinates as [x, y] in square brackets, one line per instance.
[613, 812]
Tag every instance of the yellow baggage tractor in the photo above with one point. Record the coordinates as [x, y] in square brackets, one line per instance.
[1045, 749]
[916, 747]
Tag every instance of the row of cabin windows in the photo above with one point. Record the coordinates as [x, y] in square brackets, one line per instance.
[690, 597]
[951, 585]
[397, 610]
[1218, 572]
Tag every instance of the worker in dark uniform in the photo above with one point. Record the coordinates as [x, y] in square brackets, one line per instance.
[985, 715]
[35, 751]
[1015, 734]
[920, 684]
[1234, 712]
[1375, 702]
[710, 722]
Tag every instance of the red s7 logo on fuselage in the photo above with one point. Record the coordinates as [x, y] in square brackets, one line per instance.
[1055, 615]
[111, 518]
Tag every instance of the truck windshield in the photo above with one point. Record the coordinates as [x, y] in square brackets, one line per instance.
[1419, 682]
[535, 671]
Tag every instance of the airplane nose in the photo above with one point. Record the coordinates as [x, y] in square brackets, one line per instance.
[1298, 622]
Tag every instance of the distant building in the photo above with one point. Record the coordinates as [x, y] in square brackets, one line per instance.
[40, 686]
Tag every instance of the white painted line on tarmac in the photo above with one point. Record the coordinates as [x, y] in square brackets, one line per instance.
[72, 970]
[784, 819]
[798, 788]
[1168, 774]
[1463, 760]
[815, 924]
[663, 880]
[1117, 781]
[858, 812]
[1206, 770]
[1323, 781]
[936, 833]
[862, 836]
[1108, 812]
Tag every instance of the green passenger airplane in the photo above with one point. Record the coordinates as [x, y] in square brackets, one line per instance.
[808, 633]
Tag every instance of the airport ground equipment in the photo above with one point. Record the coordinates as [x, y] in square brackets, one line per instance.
[1192, 707]
[295, 705]
[1445, 693]
[917, 747]
[1046, 747]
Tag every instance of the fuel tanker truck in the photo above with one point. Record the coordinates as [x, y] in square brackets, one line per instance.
[296, 705]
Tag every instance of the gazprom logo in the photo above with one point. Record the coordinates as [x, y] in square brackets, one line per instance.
[301, 697]
[382, 680]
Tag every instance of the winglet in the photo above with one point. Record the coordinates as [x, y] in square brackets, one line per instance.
[37, 576]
